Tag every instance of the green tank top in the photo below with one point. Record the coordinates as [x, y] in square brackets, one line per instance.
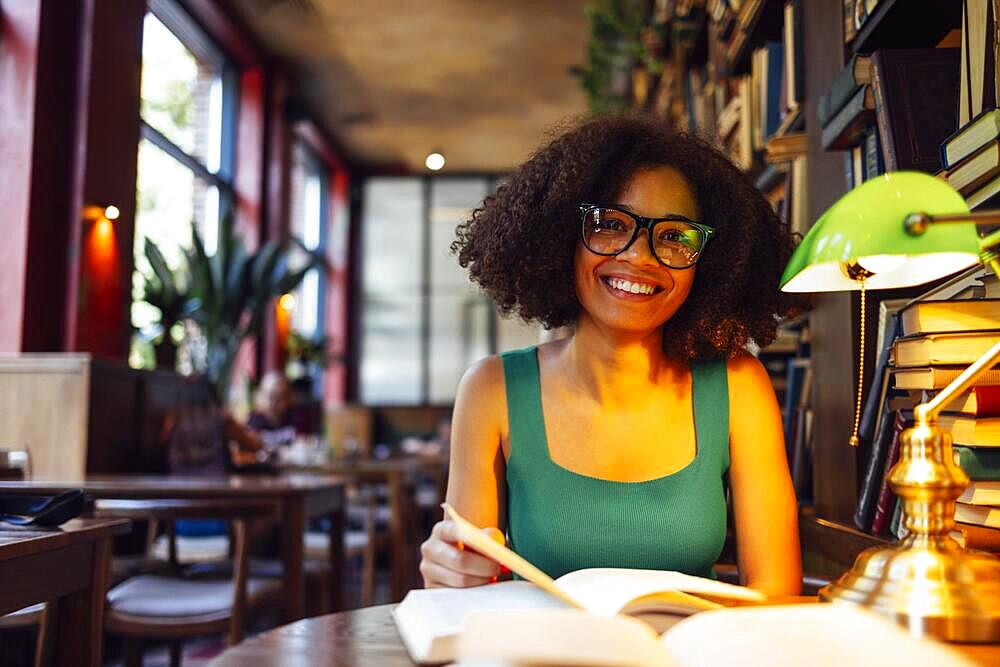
[563, 521]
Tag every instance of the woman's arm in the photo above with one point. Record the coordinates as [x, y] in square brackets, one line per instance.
[476, 478]
[767, 533]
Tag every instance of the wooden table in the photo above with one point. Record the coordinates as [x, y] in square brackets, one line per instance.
[368, 637]
[68, 566]
[296, 498]
[398, 474]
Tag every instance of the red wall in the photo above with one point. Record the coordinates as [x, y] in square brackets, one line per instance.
[107, 142]
[19, 33]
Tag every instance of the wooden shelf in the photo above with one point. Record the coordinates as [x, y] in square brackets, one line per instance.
[902, 24]
[759, 22]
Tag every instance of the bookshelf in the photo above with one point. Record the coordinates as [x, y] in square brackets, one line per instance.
[712, 66]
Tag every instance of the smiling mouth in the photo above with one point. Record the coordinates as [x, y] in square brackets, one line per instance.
[623, 287]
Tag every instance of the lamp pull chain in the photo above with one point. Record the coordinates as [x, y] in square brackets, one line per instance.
[854, 441]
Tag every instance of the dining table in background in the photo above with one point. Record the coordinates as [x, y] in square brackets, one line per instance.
[296, 498]
[68, 567]
[399, 474]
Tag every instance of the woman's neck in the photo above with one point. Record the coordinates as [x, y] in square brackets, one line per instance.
[616, 368]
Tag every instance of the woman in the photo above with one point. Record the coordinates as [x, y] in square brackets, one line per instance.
[612, 447]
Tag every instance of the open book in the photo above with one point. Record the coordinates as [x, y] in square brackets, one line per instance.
[802, 635]
[430, 621]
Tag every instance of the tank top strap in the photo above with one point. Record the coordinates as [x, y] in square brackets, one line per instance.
[524, 401]
[710, 395]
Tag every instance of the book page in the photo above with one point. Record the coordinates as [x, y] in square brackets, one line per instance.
[559, 637]
[429, 620]
[802, 635]
[605, 591]
[608, 591]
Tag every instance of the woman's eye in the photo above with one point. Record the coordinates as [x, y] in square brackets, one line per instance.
[608, 225]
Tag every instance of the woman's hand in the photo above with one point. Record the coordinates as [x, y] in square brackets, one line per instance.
[445, 564]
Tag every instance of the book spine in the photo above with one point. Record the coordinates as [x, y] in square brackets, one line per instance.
[873, 154]
[797, 54]
[885, 495]
[873, 405]
[838, 94]
[980, 537]
[871, 482]
[882, 114]
[987, 400]
[775, 65]
[979, 464]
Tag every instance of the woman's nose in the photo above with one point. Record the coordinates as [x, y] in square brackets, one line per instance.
[638, 252]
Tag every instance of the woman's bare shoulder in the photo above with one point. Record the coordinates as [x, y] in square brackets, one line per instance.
[746, 371]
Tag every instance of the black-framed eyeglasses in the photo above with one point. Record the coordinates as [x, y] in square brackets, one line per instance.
[675, 240]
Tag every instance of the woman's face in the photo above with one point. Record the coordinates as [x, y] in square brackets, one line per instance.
[655, 193]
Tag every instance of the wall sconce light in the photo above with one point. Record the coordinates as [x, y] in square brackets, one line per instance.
[287, 302]
[97, 212]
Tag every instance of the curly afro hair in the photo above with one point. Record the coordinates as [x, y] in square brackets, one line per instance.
[519, 244]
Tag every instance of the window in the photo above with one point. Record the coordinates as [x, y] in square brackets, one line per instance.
[187, 104]
[308, 213]
[423, 321]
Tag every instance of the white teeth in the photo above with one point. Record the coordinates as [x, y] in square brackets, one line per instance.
[629, 286]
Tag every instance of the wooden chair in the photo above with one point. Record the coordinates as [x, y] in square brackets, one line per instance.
[173, 607]
[363, 542]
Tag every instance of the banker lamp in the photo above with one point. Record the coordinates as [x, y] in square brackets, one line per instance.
[899, 230]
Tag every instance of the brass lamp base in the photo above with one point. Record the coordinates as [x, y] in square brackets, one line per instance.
[927, 582]
[932, 586]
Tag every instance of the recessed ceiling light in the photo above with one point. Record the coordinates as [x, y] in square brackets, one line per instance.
[434, 161]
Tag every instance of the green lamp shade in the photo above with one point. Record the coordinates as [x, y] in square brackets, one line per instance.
[865, 227]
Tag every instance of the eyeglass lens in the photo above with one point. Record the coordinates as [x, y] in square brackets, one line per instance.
[607, 232]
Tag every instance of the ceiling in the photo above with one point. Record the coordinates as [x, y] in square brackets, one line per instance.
[480, 81]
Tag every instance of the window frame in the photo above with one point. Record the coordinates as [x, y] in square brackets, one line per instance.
[426, 288]
[317, 165]
[187, 30]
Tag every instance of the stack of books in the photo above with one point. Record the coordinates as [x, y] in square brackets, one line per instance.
[935, 342]
[971, 156]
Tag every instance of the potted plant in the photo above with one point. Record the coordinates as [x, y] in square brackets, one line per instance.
[233, 289]
[306, 355]
[167, 291]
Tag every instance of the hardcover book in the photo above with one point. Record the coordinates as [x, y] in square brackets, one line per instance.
[915, 93]
[978, 515]
[981, 493]
[976, 170]
[972, 136]
[938, 349]
[972, 536]
[970, 431]
[951, 316]
[978, 464]
[885, 503]
[847, 128]
[937, 378]
[978, 402]
[856, 74]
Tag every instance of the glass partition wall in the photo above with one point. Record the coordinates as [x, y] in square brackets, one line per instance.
[422, 321]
